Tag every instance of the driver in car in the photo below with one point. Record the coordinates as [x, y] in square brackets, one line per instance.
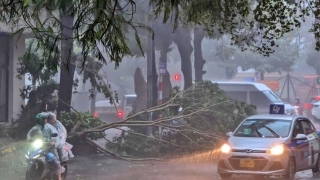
[46, 130]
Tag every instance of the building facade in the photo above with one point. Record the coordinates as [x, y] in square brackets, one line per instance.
[11, 48]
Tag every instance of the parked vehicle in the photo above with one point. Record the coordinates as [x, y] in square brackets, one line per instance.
[254, 93]
[126, 105]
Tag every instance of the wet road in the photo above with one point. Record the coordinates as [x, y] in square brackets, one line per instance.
[100, 168]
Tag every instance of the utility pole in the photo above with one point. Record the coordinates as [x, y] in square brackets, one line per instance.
[151, 70]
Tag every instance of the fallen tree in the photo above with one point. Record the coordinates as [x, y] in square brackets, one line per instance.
[207, 113]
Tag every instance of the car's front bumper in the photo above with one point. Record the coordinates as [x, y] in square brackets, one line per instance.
[264, 164]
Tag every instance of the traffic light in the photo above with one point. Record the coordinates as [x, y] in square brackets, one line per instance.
[95, 114]
[120, 114]
[177, 77]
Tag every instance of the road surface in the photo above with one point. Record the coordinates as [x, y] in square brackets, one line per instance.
[102, 168]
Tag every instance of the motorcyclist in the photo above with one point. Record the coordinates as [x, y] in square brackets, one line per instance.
[64, 148]
[46, 130]
[299, 104]
[297, 101]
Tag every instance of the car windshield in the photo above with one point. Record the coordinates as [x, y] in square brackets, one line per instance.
[272, 97]
[270, 128]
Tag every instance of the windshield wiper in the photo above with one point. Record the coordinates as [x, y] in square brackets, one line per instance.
[259, 133]
[274, 133]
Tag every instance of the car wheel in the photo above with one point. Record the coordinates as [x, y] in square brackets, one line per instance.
[291, 171]
[316, 169]
[225, 176]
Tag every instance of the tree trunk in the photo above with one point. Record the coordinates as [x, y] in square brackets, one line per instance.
[262, 75]
[166, 83]
[230, 72]
[67, 69]
[183, 41]
[198, 58]
[34, 83]
[152, 77]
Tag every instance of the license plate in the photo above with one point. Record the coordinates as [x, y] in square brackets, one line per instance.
[247, 163]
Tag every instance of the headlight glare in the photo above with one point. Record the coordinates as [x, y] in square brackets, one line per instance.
[276, 150]
[225, 149]
[37, 143]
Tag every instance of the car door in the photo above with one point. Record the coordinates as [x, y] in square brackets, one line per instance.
[313, 141]
[300, 147]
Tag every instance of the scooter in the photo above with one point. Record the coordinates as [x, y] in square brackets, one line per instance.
[39, 165]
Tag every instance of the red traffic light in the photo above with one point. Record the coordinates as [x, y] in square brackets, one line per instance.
[95, 114]
[176, 77]
[308, 106]
[120, 114]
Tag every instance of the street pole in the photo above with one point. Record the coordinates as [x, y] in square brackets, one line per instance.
[150, 69]
[162, 71]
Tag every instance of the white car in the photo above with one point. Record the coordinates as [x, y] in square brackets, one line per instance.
[315, 111]
[272, 144]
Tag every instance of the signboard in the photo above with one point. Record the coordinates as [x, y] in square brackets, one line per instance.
[162, 68]
[273, 85]
[276, 109]
[162, 65]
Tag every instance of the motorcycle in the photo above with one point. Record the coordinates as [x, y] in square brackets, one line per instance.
[39, 168]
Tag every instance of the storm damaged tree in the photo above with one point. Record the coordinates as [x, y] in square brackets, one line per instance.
[108, 25]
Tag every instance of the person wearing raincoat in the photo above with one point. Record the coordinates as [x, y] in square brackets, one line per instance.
[64, 148]
[45, 131]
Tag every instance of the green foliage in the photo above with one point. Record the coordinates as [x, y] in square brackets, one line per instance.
[313, 61]
[283, 59]
[207, 115]
[246, 21]
[253, 24]
[109, 24]
[31, 63]
[89, 121]
[36, 100]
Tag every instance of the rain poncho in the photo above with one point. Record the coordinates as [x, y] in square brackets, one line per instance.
[64, 148]
[46, 133]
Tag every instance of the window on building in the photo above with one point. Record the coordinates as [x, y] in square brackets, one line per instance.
[4, 77]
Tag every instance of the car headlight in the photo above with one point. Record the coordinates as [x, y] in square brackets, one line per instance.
[225, 149]
[37, 143]
[276, 150]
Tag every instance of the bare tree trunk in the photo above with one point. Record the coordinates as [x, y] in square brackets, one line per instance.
[93, 101]
[262, 75]
[167, 86]
[198, 58]
[183, 41]
[67, 69]
[34, 83]
[152, 76]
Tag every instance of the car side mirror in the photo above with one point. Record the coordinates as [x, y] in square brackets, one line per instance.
[228, 134]
[54, 135]
[300, 137]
